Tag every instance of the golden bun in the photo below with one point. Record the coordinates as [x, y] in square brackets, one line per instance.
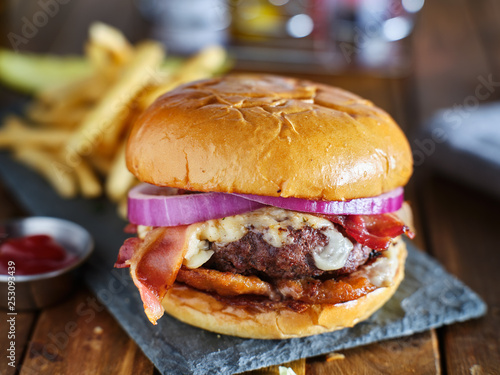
[203, 310]
[269, 135]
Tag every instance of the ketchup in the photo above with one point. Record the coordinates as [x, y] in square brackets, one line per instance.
[33, 255]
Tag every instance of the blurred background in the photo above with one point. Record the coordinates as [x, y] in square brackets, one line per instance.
[428, 52]
[434, 65]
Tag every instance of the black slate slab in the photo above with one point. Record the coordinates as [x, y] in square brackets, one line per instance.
[428, 297]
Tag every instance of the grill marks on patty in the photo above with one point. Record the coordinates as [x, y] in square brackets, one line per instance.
[252, 255]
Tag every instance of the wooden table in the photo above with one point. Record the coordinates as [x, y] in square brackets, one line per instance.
[455, 43]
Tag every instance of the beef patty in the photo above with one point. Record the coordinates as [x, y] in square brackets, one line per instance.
[252, 255]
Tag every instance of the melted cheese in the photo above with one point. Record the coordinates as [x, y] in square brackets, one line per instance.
[382, 271]
[273, 224]
[268, 221]
[142, 230]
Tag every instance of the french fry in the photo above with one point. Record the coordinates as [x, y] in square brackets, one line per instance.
[77, 124]
[208, 60]
[16, 133]
[60, 176]
[66, 107]
[119, 180]
[101, 163]
[60, 117]
[202, 65]
[105, 121]
[88, 182]
[330, 357]
[107, 42]
[80, 92]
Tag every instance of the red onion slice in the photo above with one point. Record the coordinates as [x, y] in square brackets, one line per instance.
[381, 204]
[163, 207]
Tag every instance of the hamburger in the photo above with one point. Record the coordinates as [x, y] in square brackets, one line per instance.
[272, 206]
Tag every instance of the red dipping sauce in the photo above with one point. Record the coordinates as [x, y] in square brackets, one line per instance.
[34, 255]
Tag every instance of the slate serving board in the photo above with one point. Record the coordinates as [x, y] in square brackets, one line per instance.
[428, 297]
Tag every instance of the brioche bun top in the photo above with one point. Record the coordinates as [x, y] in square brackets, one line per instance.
[269, 135]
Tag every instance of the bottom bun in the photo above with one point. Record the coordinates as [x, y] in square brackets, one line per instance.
[203, 310]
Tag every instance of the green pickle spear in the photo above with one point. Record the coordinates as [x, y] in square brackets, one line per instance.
[31, 73]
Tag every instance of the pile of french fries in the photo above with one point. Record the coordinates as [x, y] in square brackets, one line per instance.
[74, 133]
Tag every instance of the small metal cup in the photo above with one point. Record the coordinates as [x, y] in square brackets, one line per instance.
[41, 290]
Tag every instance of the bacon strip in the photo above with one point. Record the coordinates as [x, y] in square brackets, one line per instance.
[154, 264]
[130, 228]
[223, 283]
[126, 251]
[374, 231]
[307, 290]
[331, 291]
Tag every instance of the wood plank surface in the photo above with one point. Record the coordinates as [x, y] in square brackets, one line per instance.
[299, 367]
[456, 44]
[449, 57]
[79, 336]
[24, 322]
[486, 15]
[468, 247]
[456, 50]
[414, 354]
